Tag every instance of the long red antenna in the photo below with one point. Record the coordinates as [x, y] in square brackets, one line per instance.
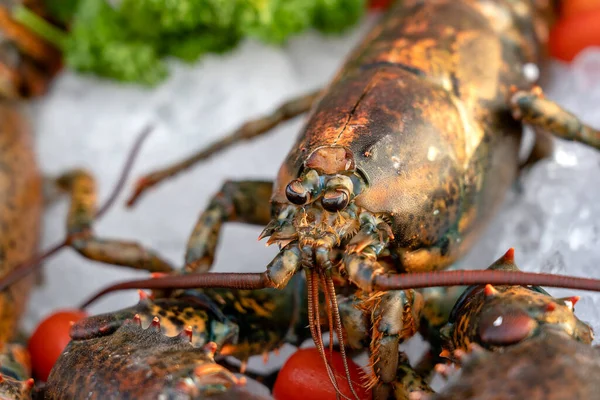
[413, 280]
[222, 280]
[483, 277]
[32, 264]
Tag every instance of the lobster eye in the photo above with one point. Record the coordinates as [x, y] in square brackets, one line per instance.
[296, 193]
[335, 200]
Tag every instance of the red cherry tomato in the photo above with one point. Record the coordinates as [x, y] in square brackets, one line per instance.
[49, 340]
[304, 376]
[379, 4]
[571, 35]
[569, 8]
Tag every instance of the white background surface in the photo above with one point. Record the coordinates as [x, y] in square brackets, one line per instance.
[553, 226]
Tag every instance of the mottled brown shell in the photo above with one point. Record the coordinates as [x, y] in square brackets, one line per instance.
[137, 363]
[20, 211]
[420, 112]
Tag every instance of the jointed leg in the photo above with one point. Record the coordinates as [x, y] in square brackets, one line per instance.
[82, 189]
[394, 318]
[245, 201]
[387, 319]
[394, 314]
[355, 321]
[247, 131]
[532, 108]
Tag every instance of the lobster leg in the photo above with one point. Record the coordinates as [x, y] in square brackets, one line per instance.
[532, 108]
[394, 318]
[355, 322]
[247, 131]
[244, 201]
[392, 321]
[394, 314]
[82, 190]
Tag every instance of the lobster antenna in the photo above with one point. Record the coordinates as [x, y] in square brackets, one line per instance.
[482, 277]
[413, 280]
[32, 264]
[224, 280]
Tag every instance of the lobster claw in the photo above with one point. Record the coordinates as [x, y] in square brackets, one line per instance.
[169, 366]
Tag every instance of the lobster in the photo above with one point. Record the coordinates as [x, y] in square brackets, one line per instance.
[22, 186]
[404, 159]
[26, 66]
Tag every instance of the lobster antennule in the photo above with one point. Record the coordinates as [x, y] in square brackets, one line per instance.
[413, 280]
[33, 264]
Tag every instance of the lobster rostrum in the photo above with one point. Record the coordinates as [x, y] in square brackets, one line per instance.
[404, 158]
